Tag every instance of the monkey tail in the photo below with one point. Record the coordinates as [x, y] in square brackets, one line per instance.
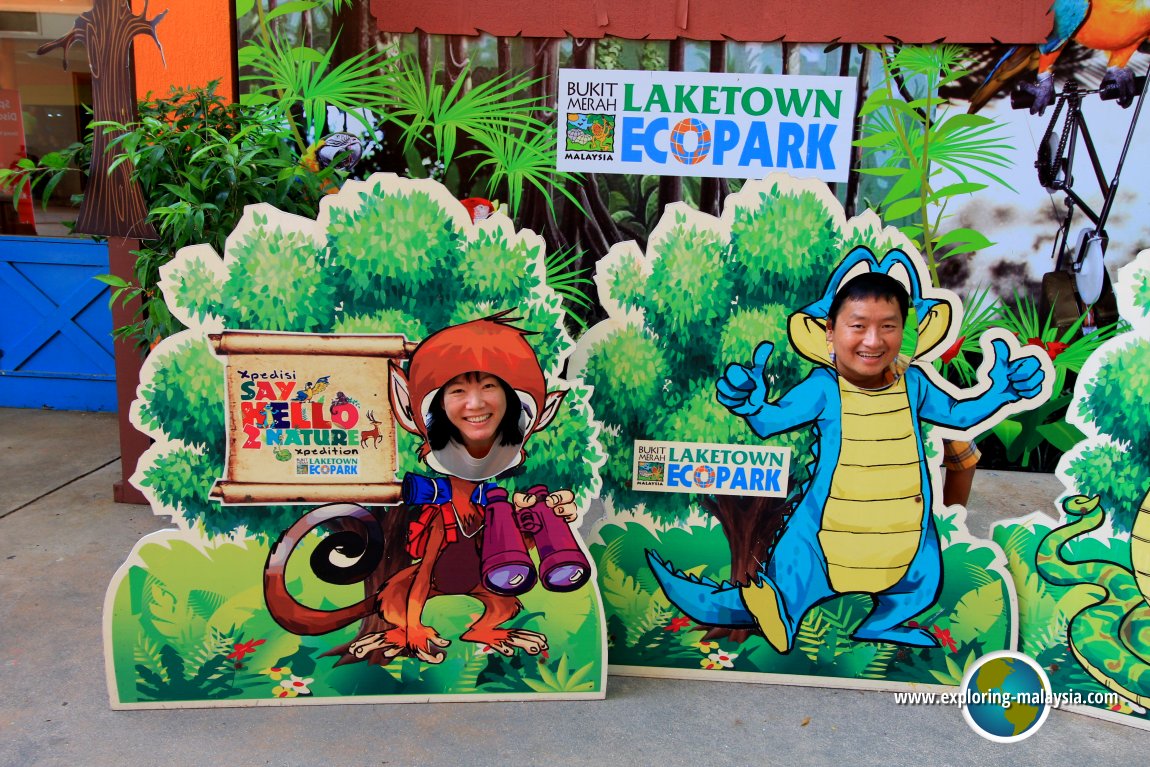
[348, 555]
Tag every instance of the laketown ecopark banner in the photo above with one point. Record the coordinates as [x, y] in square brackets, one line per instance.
[705, 124]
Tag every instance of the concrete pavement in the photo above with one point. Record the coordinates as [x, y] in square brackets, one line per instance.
[62, 537]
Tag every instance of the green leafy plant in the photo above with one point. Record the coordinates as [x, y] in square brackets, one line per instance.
[979, 314]
[200, 160]
[1022, 434]
[500, 118]
[296, 78]
[931, 155]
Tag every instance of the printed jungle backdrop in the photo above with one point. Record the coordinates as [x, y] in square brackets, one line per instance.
[186, 621]
[953, 172]
[705, 294]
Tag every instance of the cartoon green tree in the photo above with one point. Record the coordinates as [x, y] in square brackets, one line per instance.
[1113, 406]
[697, 300]
[387, 256]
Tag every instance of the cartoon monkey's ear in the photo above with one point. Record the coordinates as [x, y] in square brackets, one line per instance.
[401, 398]
[550, 408]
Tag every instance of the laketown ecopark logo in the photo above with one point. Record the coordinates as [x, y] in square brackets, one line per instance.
[705, 124]
[698, 467]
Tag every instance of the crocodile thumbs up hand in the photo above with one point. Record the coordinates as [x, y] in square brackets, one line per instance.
[743, 390]
[1014, 379]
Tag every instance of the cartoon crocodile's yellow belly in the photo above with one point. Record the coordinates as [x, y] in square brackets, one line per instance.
[873, 519]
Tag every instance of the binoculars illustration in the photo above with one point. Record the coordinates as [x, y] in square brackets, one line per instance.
[505, 565]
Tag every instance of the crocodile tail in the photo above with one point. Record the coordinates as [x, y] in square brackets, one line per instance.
[701, 599]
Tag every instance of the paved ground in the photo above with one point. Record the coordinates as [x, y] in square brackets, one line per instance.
[62, 537]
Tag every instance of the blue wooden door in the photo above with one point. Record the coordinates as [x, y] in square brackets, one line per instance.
[55, 325]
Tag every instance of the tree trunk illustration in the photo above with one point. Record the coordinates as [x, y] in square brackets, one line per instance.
[358, 32]
[537, 212]
[751, 526]
[850, 204]
[113, 203]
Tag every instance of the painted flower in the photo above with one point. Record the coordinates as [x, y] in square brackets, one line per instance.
[719, 660]
[284, 692]
[298, 685]
[277, 672]
[1052, 348]
[245, 648]
[953, 351]
[944, 638]
[706, 647]
[677, 624]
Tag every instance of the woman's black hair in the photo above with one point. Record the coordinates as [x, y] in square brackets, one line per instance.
[874, 285]
[440, 429]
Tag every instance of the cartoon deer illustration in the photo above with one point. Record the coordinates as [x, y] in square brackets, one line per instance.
[372, 434]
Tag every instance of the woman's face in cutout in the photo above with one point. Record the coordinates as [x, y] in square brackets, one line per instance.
[475, 405]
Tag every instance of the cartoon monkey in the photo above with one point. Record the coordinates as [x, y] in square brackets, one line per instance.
[474, 393]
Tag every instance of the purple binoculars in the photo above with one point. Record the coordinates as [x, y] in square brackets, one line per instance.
[507, 567]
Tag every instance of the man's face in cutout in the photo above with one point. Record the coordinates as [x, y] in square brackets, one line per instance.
[866, 337]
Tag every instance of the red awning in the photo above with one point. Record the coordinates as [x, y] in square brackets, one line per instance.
[821, 21]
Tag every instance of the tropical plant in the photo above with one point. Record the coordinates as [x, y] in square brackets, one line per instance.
[931, 155]
[199, 160]
[1025, 433]
[499, 117]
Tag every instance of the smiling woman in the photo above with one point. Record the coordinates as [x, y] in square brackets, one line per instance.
[472, 409]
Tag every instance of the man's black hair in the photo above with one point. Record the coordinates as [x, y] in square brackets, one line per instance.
[440, 429]
[870, 285]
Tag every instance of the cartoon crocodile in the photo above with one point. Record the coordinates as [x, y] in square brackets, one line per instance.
[1110, 637]
[864, 522]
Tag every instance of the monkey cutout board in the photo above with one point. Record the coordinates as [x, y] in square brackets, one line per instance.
[843, 568]
[365, 449]
[1082, 566]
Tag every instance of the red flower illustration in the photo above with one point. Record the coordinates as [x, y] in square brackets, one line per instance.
[245, 648]
[677, 624]
[953, 351]
[1052, 348]
[944, 638]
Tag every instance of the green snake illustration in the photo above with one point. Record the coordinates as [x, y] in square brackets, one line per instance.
[1110, 637]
